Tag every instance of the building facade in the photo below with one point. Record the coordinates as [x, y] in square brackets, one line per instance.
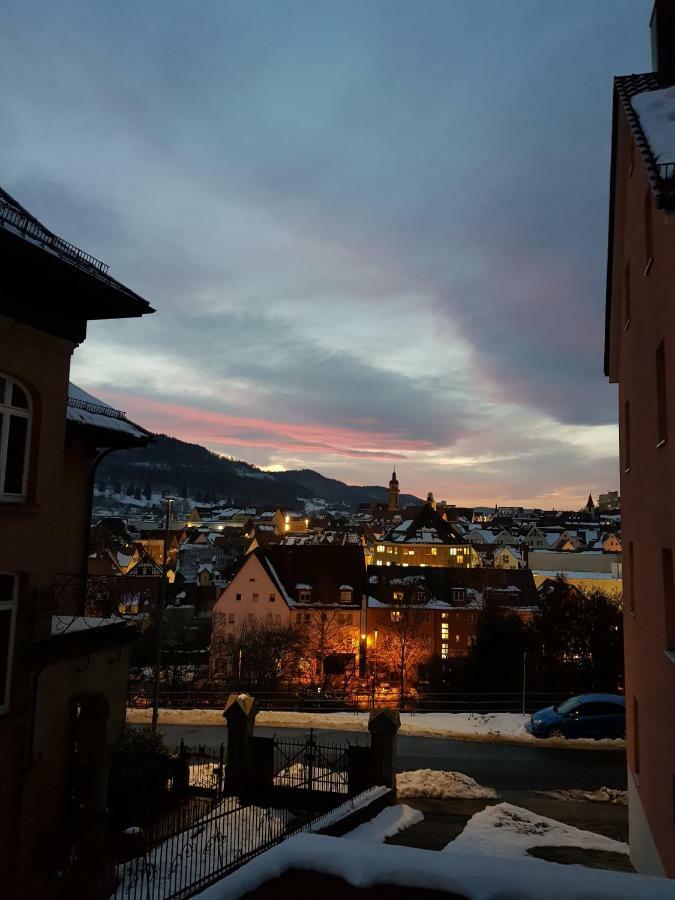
[640, 358]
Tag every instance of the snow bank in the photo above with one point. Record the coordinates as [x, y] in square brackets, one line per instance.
[656, 110]
[386, 824]
[507, 830]
[508, 727]
[440, 785]
[600, 795]
[466, 875]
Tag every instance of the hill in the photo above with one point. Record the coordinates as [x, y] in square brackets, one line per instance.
[170, 466]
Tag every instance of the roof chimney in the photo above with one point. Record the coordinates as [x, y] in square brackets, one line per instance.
[662, 27]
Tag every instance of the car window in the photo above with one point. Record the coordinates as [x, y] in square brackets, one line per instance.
[567, 706]
[599, 709]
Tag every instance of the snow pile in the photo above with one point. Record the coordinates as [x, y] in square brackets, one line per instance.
[656, 110]
[386, 824]
[440, 785]
[600, 795]
[509, 727]
[470, 875]
[507, 830]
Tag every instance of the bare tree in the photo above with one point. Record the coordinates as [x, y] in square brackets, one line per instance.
[260, 655]
[325, 633]
[405, 642]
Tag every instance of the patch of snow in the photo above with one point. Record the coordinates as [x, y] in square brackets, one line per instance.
[600, 795]
[71, 624]
[507, 830]
[369, 865]
[386, 824]
[440, 785]
[656, 110]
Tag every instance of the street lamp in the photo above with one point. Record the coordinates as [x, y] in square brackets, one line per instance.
[159, 622]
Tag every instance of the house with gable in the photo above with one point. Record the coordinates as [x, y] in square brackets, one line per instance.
[428, 539]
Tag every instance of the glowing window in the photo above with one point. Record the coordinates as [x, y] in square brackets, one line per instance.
[380, 548]
[434, 551]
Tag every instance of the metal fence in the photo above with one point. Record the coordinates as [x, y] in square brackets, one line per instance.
[307, 765]
[181, 862]
[459, 702]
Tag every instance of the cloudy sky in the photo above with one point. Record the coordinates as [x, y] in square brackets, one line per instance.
[374, 231]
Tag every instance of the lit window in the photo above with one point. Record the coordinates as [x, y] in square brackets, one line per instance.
[380, 548]
[411, 552]
[389, 549]
[395, 615]
[444, 651]
[398, 595]
[457, 639]
[445, 631]
[8, 592]
[434, 551]
[379, 562]
[15, 418]
[453, 551]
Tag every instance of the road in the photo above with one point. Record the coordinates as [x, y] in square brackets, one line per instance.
[500, 766]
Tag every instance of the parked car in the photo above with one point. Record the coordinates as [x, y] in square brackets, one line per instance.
[586, 716]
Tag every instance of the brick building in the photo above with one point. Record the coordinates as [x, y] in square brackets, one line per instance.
[63, 673]
[640, 357]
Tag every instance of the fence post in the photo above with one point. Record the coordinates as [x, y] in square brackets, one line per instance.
[240, 712]
[383, 726]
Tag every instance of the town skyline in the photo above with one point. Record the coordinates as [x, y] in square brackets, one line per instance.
[370, 254]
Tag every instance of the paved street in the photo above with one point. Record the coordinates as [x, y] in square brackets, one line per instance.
[501, 766]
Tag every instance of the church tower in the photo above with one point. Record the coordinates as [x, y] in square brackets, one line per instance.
[392, 493]
[430, 500]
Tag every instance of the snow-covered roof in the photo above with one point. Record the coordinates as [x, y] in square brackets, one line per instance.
[85, 409]
[301, 586]
[656, 110]
[62, 624]
[346, 587]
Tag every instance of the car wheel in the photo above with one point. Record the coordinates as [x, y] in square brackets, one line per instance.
[556, 733]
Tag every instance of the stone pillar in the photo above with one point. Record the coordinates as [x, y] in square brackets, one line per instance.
[383, 726]
[240, 713]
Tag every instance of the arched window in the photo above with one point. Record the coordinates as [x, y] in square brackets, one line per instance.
[15, 421]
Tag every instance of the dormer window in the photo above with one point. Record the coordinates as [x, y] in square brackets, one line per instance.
[458, 595]
[15, 421]
[346, 593]
[304, 593]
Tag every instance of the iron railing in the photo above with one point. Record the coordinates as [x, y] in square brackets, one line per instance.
[98, 408]
[666, 171]
[183, 862]
[305, 764]
[63, 248]
[139, 697]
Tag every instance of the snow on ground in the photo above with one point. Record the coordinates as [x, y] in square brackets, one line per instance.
[507, 830]
[386, 824]
[600, 795]
[508, 727]
[468, 875]
[440, 785]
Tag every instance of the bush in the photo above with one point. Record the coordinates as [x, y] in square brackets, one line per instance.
[140, 771]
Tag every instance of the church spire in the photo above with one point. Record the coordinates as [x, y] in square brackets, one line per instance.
[393, 493]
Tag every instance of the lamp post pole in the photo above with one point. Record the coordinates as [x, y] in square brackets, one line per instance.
[159, 621]
[524, 677]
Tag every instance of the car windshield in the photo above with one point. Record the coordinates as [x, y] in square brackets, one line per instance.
[566, 706]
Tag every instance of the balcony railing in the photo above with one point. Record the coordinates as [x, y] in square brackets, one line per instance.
[63, 248]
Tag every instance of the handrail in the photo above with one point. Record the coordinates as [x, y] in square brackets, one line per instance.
[63, 248]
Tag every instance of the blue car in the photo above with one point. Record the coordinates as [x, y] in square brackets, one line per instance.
[586, 716]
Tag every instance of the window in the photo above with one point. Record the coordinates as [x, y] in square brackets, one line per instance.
[444, 651]
[626, 296]
[304, 595]
[230, 618]
[345, 595]
[411, 552]
[380, 548]
[626, 436]
[631, 580]
[238, 598]
[453, 551]
[434, 551]
[661, 398]
[256, 597]
[15, 418]
[397, 595]
[668, 595]
[457, 639]
[458, 595]
[445, 631]
[272, 598]
[8, 591]
[649, 236]
[395, 615]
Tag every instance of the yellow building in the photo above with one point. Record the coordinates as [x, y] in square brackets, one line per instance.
[427, 540]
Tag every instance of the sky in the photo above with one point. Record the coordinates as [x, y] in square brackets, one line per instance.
[374, 232]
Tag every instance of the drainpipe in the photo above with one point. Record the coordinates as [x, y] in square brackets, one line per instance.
[100, 456]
